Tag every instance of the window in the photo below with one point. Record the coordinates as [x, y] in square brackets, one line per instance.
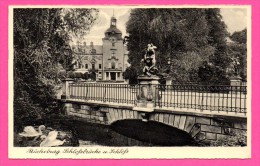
[86, 66]
[113, 54]
[113, 65]
[93, 51]
[99, 73]
[99, 66]
[93, 66]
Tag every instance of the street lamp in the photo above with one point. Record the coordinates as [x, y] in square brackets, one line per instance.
[67, 52]
[169, 66]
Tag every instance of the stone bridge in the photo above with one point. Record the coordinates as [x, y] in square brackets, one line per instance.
[201, 126]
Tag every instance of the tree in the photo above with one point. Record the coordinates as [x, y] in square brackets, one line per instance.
[41, 43]
[217, 38]
[131, 74]
[180, 35]
[240, 36]
[238, 50]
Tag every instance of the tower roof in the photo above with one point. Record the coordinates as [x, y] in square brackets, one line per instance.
[113, 30]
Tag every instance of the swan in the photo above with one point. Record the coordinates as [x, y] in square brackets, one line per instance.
[29, 131]
[51, 140]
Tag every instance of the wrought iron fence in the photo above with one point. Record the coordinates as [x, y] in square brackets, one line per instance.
[203, 97]
[188, 96]
[116, 93]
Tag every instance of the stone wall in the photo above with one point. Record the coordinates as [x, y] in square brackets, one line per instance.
[201, 128]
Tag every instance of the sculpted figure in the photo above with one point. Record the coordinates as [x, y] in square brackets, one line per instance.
[235, 66]
[150, 61]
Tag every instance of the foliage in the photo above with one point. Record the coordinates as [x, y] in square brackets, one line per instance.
[131, 74]
[217, 38]
[180, 35]
[208, 73]
[238, 138]
[41, 44]
[240, 36]
[238, 50]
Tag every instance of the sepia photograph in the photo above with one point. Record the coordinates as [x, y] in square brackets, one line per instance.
[126, 77]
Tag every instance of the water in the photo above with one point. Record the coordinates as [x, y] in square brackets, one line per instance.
[130, 133]
[120, 133]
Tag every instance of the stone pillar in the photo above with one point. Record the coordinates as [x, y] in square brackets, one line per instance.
[109, 77]
[65, 88]
[168, 81]
[147, 93]
[235, 81]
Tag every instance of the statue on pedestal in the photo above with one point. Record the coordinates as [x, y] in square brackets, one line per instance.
[150, 61]
[235, 66]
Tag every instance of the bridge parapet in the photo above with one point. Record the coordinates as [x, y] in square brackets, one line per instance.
[201, 127]
[148, 95]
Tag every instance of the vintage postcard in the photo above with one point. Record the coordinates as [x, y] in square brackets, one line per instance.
[129, 82]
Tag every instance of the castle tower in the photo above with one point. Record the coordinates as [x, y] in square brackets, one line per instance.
[113, 53]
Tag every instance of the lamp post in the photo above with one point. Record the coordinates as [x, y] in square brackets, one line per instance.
[168, 66]
[67, 52]
[66, 81]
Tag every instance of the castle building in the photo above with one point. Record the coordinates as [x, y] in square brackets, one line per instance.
[108, 61]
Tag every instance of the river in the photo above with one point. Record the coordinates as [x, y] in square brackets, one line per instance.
[130, 133]
[121, 133]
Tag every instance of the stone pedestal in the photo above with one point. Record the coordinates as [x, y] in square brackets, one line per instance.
[147, 93]
[65, 88]
[235, 81]
[168, 81]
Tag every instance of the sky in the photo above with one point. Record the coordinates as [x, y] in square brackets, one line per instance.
[235, 19]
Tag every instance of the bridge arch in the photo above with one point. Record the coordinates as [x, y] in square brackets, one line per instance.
[181, 122]
[153, 132]
[199, 126]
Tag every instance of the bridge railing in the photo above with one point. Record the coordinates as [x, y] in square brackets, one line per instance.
[111, 93]
[203, 97]
[218, 98]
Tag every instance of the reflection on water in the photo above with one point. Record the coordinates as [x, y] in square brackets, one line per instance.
[130, 133]
[100, 135]
[120, 133]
